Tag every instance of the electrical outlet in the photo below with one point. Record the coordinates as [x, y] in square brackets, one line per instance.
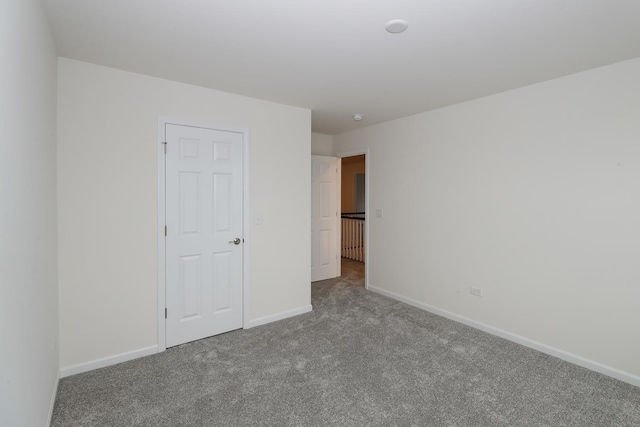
[476, 291]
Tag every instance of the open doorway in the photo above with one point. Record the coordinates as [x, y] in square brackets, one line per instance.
[353, 203]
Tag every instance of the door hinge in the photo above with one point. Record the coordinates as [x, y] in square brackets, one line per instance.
[165, 147]
[165, 231]
[165, 312]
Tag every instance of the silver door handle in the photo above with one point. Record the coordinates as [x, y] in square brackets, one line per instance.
[235, 241]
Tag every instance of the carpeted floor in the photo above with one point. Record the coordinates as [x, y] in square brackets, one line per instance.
[359, 359]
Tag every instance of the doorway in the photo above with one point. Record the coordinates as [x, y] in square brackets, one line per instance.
[201, 202]
[353, 208]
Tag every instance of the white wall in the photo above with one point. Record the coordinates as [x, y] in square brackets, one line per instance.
[28, 265]
[532, 195]
[321, 144]
[107, 185]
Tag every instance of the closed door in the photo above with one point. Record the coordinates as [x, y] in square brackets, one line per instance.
[325, 175]
[204, 238]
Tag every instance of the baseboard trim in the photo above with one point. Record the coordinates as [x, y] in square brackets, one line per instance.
[279, 316]
[147, 351]
[53, 398]
[107, 361]
[552, 351]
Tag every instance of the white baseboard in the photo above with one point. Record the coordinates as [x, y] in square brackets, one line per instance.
[147, 351]
[107, 361]
[279, 316]
[560, 354]
[53, 398]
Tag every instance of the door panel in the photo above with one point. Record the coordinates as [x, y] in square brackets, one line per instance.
[204, 172]
[191, 283]
[189, 197]
[325, 176]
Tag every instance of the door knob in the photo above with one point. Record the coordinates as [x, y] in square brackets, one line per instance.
[235, 241]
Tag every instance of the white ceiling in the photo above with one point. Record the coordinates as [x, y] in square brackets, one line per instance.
[335, 57]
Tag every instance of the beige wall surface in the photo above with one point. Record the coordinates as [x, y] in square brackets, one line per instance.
[532, 195]
[108, 184]
[321, 144]
[351, 166]
[28, 261]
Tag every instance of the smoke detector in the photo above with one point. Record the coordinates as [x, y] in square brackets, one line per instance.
[357, 117]
[396, 26]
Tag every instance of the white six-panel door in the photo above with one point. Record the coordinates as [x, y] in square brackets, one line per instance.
[204, 174]
[325, 220]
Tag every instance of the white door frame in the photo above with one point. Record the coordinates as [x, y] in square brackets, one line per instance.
[162, 279]
[367, 168]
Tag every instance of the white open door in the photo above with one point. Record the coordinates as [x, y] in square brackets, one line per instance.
[204, 236]
[325, 218]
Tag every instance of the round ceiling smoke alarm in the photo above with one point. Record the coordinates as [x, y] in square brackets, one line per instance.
[396, 26]
[357, 117]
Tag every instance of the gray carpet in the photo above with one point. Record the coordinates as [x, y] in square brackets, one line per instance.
[359, 359]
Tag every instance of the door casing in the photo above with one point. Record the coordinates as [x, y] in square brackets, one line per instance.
[162, 122]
